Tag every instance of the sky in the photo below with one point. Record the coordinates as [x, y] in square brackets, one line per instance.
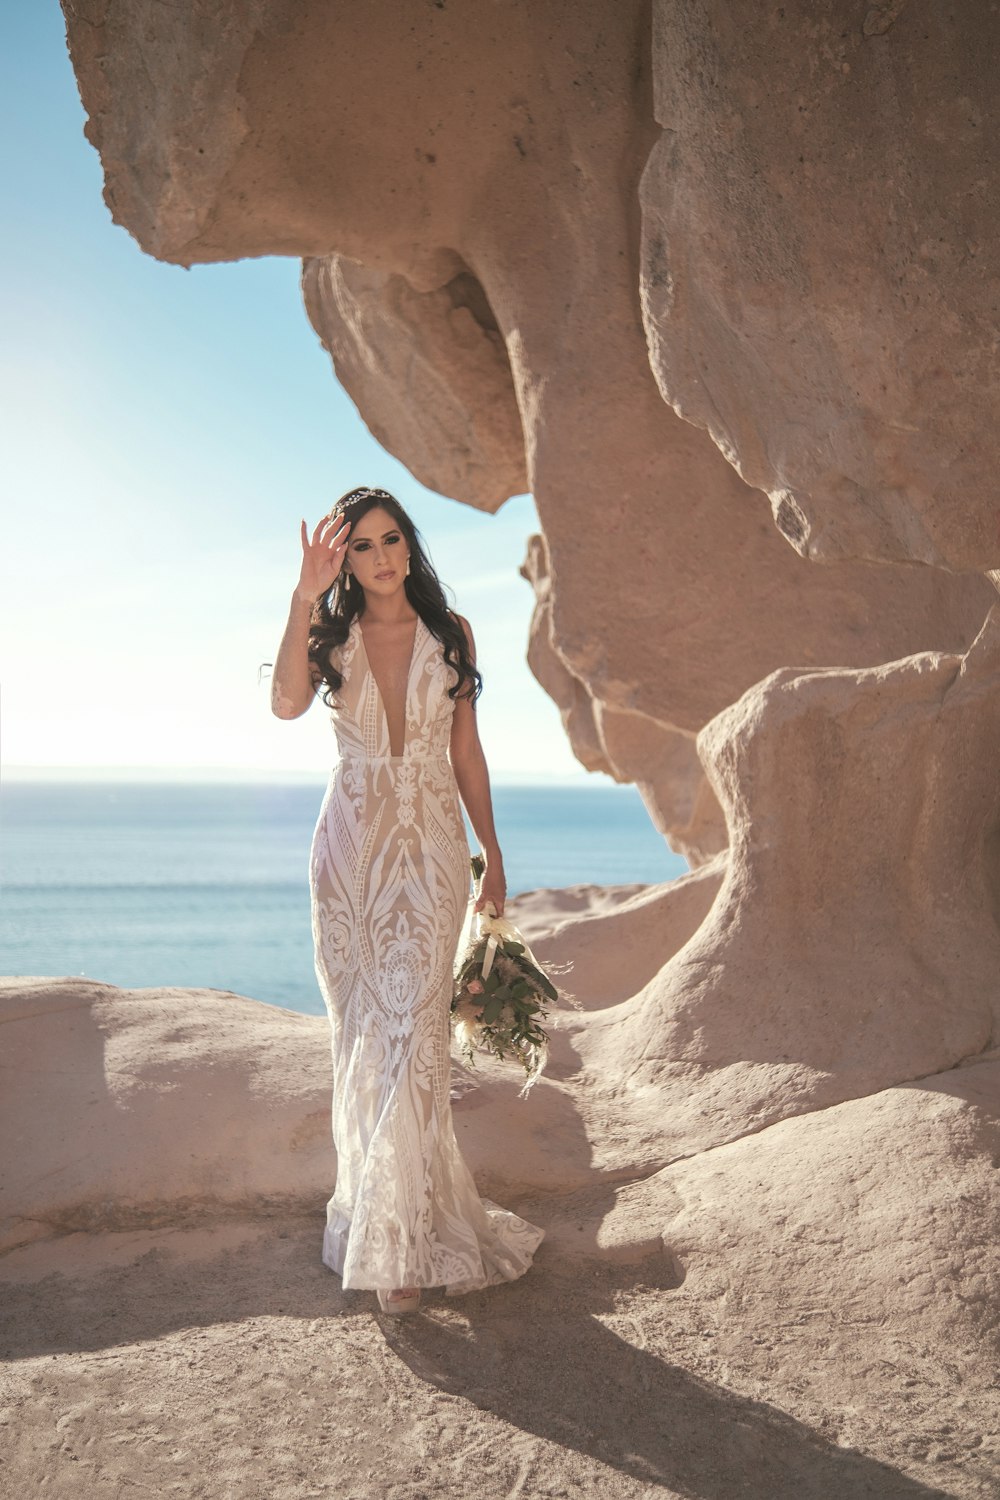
[164, 432]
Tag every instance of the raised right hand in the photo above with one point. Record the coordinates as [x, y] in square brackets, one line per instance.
[322, 556]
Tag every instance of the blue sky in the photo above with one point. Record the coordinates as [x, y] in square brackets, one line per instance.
[164, 432]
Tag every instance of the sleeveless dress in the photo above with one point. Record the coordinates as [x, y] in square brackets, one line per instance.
[390, 883]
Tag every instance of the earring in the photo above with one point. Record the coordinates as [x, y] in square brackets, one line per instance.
[345, 578]
[407, 563]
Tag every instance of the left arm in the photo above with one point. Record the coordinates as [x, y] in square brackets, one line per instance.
[472, 776]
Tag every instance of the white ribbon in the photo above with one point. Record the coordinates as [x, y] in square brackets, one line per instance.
[496, 930]
[499, 930]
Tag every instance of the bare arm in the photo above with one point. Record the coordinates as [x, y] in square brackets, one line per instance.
[472, 775]
[294, 679]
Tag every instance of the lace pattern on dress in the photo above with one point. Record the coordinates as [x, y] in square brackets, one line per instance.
[390, 880]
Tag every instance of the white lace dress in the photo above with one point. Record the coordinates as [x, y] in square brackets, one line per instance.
[390, 887]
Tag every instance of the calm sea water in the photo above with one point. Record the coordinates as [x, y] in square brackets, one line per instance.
[145, 884]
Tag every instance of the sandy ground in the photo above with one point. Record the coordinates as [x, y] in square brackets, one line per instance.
[227, 1361]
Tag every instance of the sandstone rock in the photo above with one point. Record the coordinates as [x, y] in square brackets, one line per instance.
[136, 1107]
[630, 747]
[231, 130]
[616, 939]
[818, 286]
[854, 943]
[454, 421]
[667, 773]
[844, 1262]
[899, 1189]
[663, 590]
[165, 109]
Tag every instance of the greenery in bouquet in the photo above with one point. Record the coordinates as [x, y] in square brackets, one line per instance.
[500, 993]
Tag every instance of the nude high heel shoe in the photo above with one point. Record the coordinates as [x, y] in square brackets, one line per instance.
[397, 1306]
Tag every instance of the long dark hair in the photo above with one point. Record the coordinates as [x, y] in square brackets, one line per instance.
[333, 611]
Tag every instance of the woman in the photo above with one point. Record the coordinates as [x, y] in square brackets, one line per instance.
[369, 628]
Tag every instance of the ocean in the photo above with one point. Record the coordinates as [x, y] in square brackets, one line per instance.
[143, 884]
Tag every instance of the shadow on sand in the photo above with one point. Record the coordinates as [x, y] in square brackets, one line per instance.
[545, 1363]
[534, 1353]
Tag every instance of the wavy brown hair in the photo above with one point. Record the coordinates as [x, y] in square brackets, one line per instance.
[333, 611]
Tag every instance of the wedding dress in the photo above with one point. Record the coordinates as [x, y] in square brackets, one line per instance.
[390, 881]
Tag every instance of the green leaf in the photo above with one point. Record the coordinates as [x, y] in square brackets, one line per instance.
[492, 1009]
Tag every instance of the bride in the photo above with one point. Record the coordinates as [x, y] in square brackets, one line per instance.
[370, 631]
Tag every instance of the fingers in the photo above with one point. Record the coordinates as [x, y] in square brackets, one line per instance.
[331, 545]
[334, 529]
[329, 537]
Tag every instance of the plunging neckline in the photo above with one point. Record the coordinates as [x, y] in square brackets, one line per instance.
[378, 690]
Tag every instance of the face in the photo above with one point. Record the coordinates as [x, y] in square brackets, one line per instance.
[377, 552]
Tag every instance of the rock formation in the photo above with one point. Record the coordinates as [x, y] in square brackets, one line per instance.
[684, 274]
[818, 281]
[854, 942]
[472, 262]
[430, 349]
[137, 1107]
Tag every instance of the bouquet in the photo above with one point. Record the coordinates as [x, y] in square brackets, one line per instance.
[500, 994]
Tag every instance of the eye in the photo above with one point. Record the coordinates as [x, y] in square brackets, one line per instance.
[361, 547]
[391, 539]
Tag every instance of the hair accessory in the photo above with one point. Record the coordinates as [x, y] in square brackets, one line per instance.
[363, 492]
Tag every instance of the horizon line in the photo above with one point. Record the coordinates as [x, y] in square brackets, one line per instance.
[235, 774]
